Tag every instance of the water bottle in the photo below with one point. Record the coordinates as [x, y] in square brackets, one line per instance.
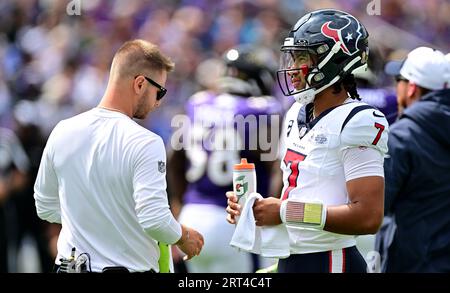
[244, 181]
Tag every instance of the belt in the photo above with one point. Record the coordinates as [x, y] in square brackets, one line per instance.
[122, 270]
[116, 269]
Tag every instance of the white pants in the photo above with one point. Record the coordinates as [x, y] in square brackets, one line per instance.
[217, 255]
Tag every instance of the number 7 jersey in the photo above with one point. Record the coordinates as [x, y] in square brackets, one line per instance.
[311, 161]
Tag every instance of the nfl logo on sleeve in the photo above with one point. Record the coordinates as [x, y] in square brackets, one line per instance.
[161, 166]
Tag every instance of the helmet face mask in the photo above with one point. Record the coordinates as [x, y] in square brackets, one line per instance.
[331, 43]
[297, 64]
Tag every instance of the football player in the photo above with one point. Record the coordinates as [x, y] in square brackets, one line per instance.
[217, 143]
[333, 148]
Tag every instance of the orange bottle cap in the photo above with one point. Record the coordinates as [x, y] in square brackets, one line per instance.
[244, 165]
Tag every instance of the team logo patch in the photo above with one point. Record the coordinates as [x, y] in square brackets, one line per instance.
[320, 139]
[161, 166]
[344, 35]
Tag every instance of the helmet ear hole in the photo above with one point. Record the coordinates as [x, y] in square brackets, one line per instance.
[322, 49]
[318, 77]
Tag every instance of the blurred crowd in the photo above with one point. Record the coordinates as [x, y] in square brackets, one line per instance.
[55, 65]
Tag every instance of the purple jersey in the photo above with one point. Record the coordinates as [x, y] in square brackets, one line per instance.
[218, 139]
[383, 99]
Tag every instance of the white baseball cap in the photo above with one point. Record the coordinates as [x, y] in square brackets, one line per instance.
[423, 66]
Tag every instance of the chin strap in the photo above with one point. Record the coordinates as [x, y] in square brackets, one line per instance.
[305, 97]
[333, 51]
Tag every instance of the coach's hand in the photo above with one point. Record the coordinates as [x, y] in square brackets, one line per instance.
[267, 211]
[191, 242]
[233, 209]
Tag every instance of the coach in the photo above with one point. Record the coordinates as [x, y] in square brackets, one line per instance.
[103, 176]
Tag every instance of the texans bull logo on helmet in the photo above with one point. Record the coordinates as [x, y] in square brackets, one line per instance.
[345, 34]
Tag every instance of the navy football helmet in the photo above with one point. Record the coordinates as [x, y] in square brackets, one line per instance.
[330, 43]
[250, 71]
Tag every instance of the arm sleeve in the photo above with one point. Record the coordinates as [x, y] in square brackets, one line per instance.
[46, 194]
[149, 183]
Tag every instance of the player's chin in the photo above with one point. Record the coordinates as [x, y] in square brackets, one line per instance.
[298, 85]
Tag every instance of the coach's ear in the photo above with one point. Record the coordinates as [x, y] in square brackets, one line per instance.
[138, 84]
[413, 93]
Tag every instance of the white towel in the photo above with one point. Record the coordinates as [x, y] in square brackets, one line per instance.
[270, 241]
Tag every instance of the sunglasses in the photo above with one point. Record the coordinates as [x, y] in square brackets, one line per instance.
[161, 90]
[399, 78]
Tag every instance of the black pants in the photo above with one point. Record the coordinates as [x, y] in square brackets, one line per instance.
[347, 260]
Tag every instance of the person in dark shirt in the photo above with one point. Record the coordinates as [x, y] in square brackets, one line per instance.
[417, 170]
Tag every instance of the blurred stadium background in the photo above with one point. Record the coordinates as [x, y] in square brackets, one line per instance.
[55, 65]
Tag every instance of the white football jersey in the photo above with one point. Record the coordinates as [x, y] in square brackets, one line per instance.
[312, 162]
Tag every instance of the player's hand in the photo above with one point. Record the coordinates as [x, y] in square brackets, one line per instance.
[191, 242]
[267, 211]
[233, 208]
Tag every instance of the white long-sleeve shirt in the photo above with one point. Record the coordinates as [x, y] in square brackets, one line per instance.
[102, 176]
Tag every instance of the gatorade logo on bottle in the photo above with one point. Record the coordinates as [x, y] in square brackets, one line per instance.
[241, 186]
[244, 180]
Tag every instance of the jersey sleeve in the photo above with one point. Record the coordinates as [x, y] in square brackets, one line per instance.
[368, 128]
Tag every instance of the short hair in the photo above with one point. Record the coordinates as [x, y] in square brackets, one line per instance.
[424, 91]
[137, 57]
